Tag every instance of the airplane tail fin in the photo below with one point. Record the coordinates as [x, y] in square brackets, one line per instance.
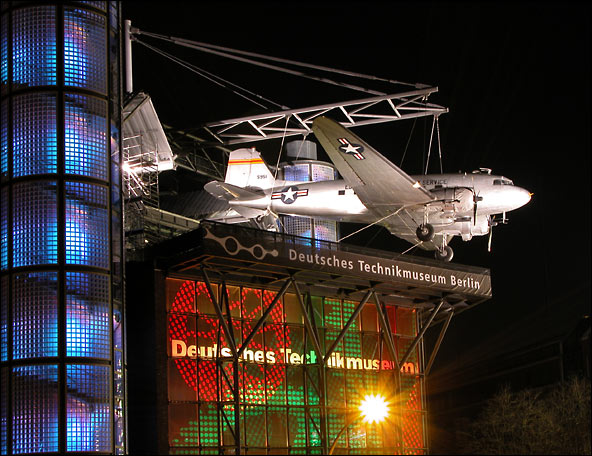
[246, 168]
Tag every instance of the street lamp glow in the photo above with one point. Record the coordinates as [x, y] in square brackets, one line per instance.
[374, 408]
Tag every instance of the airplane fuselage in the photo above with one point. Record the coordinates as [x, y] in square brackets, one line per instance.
[337, 201]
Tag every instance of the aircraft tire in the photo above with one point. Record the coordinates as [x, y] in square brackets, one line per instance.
[425, 232]
[444, 254]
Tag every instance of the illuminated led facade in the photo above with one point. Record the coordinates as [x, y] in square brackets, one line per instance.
[287, 403]
[62, 363]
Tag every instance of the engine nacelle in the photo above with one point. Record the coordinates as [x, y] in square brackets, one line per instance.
[455, 199]
[468, 229]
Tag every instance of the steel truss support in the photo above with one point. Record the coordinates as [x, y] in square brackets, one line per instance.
[438, 343]
[359, 112]
[221, 306]
[421, 332]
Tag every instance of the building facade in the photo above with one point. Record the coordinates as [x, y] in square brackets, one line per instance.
[61, 259]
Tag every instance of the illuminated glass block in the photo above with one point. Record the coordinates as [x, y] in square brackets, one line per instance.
[85, 50]
[35, 409]
[297, 173]
[322, 172]
[34, 46]
[4, 54]
[4, 319]
[98, 5]
[87, 315]
[4, 229]
[35, 224]
[35, 315]
[34, 139]
[4, 141]
[87, 225]
[325, 230]
[3, 409]
[88, 408]
[85, 138]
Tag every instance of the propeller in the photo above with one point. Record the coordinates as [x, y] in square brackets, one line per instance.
[476, 198]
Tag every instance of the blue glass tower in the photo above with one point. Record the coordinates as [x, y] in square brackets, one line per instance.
[62, 360]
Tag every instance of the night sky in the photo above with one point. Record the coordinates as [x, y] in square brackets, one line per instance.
[515, 78]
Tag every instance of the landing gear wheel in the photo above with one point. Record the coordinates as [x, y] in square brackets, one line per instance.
[444, 254]
[425, 232]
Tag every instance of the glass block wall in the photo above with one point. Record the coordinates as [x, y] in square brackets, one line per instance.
[309, 171]
[62, 354]
[283, 406]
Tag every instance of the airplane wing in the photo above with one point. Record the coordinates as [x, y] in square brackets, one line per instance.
[382, 186]
[229, 192]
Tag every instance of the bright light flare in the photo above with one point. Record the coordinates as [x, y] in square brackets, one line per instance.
[374, 408]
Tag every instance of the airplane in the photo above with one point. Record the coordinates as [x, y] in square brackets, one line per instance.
[426, 210]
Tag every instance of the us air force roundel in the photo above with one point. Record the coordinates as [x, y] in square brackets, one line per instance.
[349, 148]
[289, 194]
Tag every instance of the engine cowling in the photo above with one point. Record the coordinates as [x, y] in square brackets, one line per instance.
[455, 199]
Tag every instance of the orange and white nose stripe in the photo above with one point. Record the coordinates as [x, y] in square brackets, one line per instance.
[246, 161]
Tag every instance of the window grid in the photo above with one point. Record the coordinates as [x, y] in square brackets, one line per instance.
[276, 397]
[85, 50]
[4, 229]
[35, 315]
[88, 408]
[297, 173]
[4, 54]
[322, 173]
[4, 319]
[35, 225]
[87, 227]
[34, 132]
[35, 409]
[4, 141]
[86, 136]
[34, 46]
[87, 315]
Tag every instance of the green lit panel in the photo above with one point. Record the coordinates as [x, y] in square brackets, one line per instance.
[208, 425]
[296, 427]
[312, 386]
[355, 386]
[295, 385]
[255, 426]
[313, 425]
[183, 425]
[336, 386]
[333, 313]
[336, 420]
[227, 421]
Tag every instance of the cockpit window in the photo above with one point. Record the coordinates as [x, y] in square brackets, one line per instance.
[502, 182]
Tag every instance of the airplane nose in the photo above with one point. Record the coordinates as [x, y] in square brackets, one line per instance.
[522, 197]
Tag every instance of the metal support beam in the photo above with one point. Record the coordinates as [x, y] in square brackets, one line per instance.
[308, 323]
[348, 324]
[218, 310]
[387, 331]
[366, 111]
[438, 343]
[421, 333]
[261, 321]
